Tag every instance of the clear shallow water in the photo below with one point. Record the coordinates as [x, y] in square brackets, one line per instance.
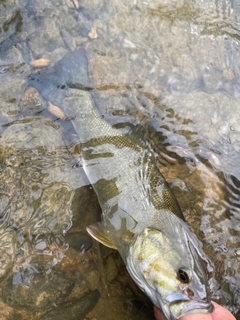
[171, 65]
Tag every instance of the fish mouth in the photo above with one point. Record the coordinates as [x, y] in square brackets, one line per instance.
[192, 307]
[198, 307]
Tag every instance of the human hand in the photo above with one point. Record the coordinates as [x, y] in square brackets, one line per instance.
[219, 313]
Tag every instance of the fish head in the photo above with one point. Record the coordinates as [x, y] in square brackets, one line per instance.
[170, 272]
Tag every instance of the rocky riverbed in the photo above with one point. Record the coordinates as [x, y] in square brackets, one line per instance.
[171, 66]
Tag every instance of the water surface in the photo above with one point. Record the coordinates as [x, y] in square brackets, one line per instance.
[171, 66]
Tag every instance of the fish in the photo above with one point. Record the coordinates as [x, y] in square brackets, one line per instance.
[141, 217]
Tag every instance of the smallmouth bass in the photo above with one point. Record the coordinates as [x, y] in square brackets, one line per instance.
[140, 215]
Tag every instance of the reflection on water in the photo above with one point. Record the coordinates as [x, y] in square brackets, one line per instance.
[173, 66]
[37, 186]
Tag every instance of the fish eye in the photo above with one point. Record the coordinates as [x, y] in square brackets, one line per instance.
[182, 276]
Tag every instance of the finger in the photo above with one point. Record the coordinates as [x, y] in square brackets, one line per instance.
[198, 316]
[159, 314]
[221, 313]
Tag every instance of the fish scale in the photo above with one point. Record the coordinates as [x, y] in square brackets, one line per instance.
[103, 149]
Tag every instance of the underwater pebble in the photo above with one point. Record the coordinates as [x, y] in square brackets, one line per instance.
[179, 184]
[49, 34]
[79, 241]
[80, 40]
[41, 245]
[93, 279]
[57, 55]
[32, 102]
[111, 269]
[40, 63]
[93, 33]
[56, 111]
[228, 74]
[70, 42]
[73, 4]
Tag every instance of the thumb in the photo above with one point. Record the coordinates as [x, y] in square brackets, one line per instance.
[199, 316]
[160, 316]
[221, 313]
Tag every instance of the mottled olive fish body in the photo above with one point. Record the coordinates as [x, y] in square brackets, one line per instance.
[140, 215]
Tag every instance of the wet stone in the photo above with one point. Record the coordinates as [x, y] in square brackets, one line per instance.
[93, 279]
[40, 63]
[111, 268]
[7, 249]
[45, 6]
[93, 33]
[79, 241]
[14, 58]
[37, 215]
[13, 77]
[57, 55]
[75, 309]
[31, 102]
[91, 9]
[50, 36]
[70, 71]
[68, 40]
[7, 313]
[46, 290]
[81, 29]
[11, 24]
[212, 79]
[72, 4]
[56, 111]
[86, 199]
[137, 310]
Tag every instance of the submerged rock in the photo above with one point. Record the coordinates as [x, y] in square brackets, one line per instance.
[37, 185]
[69, 72]
[79, 241]
[75, 309]
[45, 289]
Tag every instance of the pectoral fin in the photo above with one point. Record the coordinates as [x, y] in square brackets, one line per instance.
[99, 233]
